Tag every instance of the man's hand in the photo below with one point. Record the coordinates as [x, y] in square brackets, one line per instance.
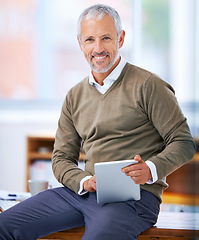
[140, 172]
[90, 184]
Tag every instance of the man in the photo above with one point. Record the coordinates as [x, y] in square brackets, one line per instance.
[120, 111]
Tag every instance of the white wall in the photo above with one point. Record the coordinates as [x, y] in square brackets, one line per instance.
[14, 128]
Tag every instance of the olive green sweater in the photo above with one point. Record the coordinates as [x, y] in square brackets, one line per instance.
[139, 114]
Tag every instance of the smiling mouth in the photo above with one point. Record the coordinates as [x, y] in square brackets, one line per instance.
[100, 58]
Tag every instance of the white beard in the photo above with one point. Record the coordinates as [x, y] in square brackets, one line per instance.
[105, 69]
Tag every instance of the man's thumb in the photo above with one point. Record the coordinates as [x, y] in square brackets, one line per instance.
[138, 158]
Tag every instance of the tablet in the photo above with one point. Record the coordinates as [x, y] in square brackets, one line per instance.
[112, 185]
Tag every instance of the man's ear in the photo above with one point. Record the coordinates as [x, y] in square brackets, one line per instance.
[121, 39]
[80, 43]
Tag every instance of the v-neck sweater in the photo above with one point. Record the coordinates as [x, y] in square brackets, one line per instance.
[138, 114]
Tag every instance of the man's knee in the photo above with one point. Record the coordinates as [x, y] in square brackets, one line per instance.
[5, 227]
[112, 221]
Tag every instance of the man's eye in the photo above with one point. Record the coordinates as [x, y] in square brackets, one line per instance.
[106, 38]
[89, 40]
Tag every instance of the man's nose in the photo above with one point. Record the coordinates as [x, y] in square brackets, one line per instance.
[98, 46]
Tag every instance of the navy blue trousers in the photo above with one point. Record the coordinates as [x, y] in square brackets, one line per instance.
[60, 208]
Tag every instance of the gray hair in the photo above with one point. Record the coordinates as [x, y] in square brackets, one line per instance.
[99, 10]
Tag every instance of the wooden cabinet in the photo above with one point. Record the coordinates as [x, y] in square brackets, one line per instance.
[40, 147]
[184, 182]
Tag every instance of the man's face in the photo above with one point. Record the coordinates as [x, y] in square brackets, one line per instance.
[100, 43]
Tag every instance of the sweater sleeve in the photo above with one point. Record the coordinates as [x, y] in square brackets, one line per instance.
[166, 116]
[66, 151]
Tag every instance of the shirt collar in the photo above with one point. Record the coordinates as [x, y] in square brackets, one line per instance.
[112, 76]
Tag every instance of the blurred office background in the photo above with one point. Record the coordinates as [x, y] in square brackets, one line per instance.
[40, 61]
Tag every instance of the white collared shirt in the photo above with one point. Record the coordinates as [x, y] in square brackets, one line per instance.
[108, 81]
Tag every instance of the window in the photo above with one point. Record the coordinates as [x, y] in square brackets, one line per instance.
[41, 59]
[166, 42]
